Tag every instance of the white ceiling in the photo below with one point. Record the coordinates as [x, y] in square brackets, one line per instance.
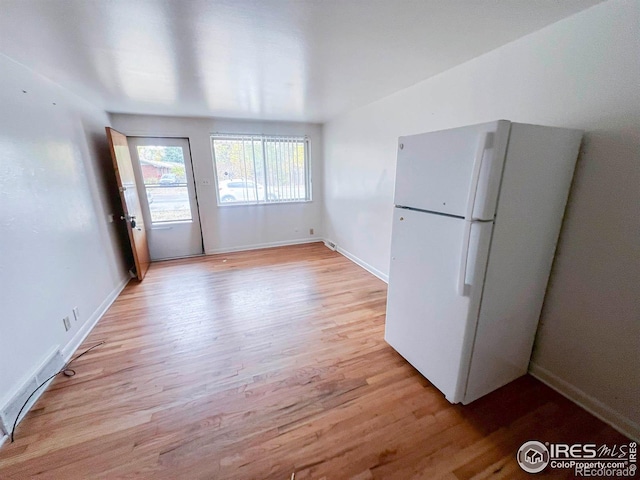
[305, 60]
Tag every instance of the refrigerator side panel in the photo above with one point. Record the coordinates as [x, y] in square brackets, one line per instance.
[537, 176]
[426, 318]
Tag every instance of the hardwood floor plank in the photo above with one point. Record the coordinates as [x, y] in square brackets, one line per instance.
[253, 365]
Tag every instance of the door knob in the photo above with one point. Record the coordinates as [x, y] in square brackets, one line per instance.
[130, 218]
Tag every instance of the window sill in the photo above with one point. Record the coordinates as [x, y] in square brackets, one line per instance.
[264, 204]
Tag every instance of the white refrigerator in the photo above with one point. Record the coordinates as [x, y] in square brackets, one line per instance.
[477, 216]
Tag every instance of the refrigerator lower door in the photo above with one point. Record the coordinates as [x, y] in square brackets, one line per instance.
[428, 322]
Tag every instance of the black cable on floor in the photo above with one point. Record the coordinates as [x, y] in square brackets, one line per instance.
[69, 372]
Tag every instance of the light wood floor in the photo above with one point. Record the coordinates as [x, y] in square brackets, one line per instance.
[254, 365]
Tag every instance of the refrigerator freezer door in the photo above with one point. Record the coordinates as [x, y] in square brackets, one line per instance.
[428, 322]
[435, 171]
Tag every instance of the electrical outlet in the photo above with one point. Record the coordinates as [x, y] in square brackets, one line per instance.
[311, 231]
[67, 323]
[76, 313]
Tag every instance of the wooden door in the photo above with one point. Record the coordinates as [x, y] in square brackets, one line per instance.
[130, 200]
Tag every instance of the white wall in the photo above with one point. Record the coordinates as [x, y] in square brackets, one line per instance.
[57, 249]
[582, 72]
[244, 226]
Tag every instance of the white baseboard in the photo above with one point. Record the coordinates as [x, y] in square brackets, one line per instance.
[382, 276]
[259, 246]
[69, 349]
[592, 405]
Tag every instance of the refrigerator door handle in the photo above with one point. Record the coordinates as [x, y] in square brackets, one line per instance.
[475, 176]
[462, 272]
[468, 216]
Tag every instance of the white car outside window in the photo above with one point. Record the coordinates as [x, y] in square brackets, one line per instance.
[240, 191]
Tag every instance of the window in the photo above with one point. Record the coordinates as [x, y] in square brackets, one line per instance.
[165, 183]
[258, 169]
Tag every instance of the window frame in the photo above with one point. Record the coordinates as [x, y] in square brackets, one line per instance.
[262, 137]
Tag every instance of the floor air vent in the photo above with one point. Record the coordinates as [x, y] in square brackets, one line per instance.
[330, 245]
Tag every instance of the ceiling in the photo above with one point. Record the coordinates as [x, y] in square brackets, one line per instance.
[302, 60]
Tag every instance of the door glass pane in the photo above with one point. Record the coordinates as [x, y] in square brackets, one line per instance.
[165, 183]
